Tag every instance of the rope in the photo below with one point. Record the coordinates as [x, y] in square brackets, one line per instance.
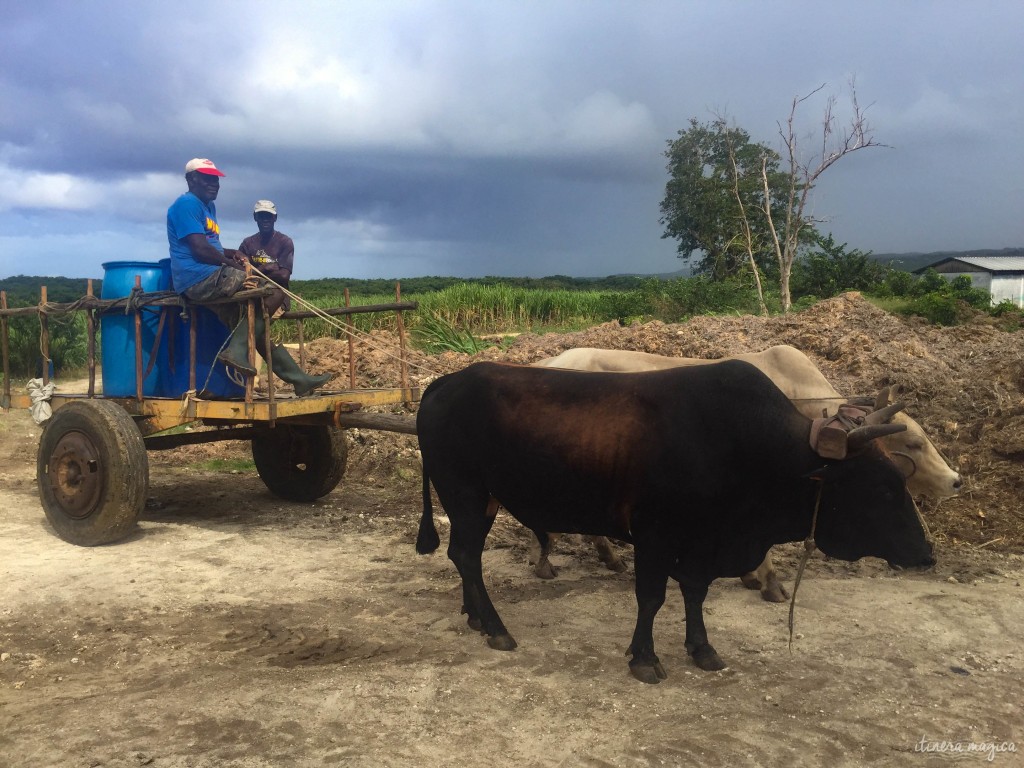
[364, 337]
[809, 546]
[189, 395]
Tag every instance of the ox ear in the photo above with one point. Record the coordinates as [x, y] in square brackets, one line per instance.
[861, 436]
[883, 398]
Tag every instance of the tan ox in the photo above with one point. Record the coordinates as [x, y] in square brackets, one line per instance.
[802, 382]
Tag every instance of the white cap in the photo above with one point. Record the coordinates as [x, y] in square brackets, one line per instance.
[202, 165]
[264, 206]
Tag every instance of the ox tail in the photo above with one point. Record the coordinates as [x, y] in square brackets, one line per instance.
[427, 540]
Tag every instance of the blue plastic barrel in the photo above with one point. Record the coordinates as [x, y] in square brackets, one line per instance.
[211, 377]
[117, 331]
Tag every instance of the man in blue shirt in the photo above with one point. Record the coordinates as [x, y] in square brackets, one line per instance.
[201, 270]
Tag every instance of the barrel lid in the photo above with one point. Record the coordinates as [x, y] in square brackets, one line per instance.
[107, 265]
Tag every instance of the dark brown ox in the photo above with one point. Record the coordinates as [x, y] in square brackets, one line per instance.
[798, 377]
[702, 469]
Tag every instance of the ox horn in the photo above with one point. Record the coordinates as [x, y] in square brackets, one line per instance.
[861, 436]
[883, 415]
[864, 400]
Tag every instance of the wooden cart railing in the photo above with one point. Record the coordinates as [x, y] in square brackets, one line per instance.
[155, 415]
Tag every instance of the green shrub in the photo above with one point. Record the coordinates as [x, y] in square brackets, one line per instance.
[832, 269]
[962, 288]
[625, 307]
[676, 300]
[1010, 317]
[930, 282]
[895, 283]
[946, 302]
[68, 349]
[941, 309]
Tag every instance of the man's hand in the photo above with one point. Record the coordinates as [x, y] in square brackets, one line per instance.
[237, 257]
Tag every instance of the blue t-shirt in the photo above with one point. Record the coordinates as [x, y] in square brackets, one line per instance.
[188, 215]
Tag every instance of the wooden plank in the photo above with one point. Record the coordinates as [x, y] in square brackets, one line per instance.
[156, 414]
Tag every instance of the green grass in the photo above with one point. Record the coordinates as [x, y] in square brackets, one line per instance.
[225, 465]
[893, 304]
[466, 308]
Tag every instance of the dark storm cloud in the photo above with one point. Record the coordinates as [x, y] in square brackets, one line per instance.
[469, 138]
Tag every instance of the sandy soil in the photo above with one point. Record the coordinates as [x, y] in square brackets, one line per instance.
[236, 629]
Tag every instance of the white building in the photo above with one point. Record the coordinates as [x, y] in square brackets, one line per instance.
[1001, 276]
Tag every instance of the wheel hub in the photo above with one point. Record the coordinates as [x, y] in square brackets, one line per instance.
[75, 476]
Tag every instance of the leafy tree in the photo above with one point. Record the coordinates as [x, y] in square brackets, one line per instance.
[715, 172]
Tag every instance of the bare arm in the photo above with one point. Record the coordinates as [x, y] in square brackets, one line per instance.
[206, 253]
[275, 273]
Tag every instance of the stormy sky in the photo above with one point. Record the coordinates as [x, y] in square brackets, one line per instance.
[471, 138]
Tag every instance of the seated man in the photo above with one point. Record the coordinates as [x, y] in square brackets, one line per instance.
[202, 270]
[272, 252]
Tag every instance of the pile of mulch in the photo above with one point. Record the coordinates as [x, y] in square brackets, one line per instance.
[964, 385]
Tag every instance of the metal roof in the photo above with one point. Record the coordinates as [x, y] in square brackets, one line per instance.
[987, 263]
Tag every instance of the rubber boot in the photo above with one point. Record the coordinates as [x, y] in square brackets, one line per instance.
[236, 353]
[286, 368]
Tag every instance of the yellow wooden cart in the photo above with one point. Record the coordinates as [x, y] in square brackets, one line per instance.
[92, 465]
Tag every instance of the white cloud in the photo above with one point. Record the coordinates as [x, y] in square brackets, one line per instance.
[68, 192]
[59, 191]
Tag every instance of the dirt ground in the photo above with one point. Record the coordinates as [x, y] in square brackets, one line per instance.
[237, 629]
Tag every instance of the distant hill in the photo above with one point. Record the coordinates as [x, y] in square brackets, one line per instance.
[908, 262]
[23, 290]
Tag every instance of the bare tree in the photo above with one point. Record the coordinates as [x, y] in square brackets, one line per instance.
[804, 174]
[748, 235]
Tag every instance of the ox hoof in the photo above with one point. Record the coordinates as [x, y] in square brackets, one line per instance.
[774, 592]
[615, 565]
[648, 672]
[502, 643]
[707, 658]
[545, 570]
[750, 581]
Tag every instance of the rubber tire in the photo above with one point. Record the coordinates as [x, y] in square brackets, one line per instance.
[300, 462]
[96, 440]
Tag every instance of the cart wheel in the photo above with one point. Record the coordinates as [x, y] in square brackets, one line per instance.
[300, 462]
[92, 471]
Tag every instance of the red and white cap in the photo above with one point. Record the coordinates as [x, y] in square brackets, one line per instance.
[202, 165]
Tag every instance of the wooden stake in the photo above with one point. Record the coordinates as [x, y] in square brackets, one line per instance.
[5, 350]
[44, 336]
[401, 339]
[90, 332]
[351, 347]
